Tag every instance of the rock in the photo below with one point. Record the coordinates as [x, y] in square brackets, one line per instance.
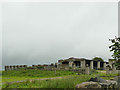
[117, 79]
[97, 79]
[110, 84]
[88, 85]
[99, 83]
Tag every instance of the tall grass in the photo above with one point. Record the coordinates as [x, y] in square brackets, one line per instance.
[17, 75]
[68, 82]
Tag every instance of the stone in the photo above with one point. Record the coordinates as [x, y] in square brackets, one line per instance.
[98, 64]
[82, 64]
[110, 84]
[87, 70]
[99, 84]
[110, 62]
[104, 65]
[88, 85]
[91, 64]
[70, 64]
[117, 79]
[107, 69]
[97, 79]
[114, 69]
[11, 68]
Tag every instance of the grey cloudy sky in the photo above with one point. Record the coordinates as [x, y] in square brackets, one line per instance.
[38, 33]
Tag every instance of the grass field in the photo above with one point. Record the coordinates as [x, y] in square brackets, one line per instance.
[35, 73]
[66, 82]
[17, 75]
[67, 79]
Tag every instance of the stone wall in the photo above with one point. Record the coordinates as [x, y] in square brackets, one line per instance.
[111, 70]
[63, 67]
[14, 67]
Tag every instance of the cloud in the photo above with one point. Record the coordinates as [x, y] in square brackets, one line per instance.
[45, 32]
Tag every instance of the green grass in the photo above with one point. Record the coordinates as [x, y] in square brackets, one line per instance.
[69, 79]
[35, 73]
[106, 76]
[0, 82]
[17, 75]
[67, 82]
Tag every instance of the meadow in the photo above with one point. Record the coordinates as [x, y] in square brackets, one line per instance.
[22, 74]
[65, 82]
[50, 79]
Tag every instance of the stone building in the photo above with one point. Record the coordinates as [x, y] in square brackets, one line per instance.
[69, 64]
[81, 63]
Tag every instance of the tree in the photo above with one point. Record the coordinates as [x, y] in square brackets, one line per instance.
[115, 48]
[98, 59]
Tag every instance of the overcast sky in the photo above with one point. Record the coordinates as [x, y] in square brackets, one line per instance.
[43, 33]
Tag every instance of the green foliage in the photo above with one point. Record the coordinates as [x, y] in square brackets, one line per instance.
[98, 59]
[115, 48]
